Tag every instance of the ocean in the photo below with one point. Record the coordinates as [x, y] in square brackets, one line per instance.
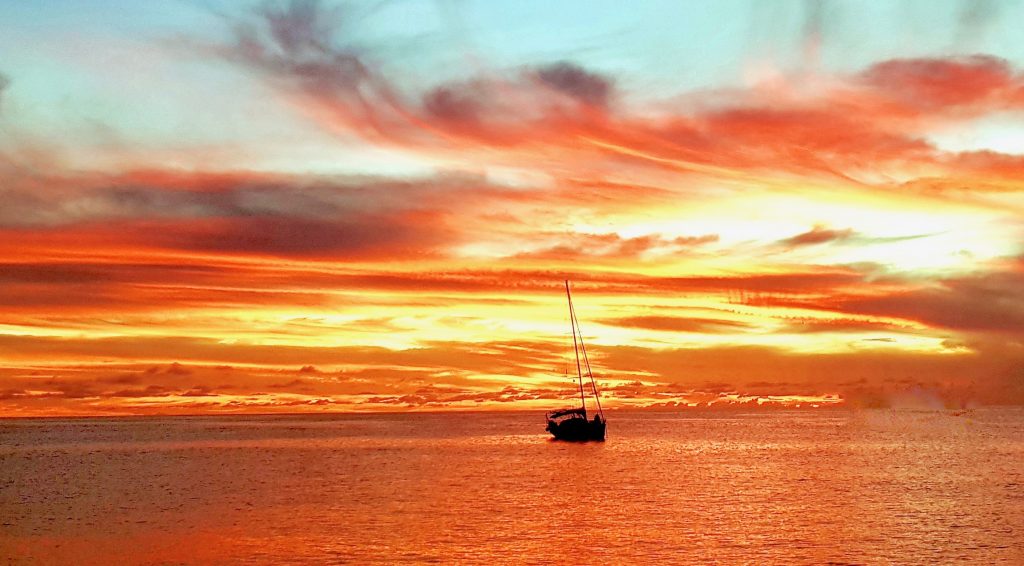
[842, 486]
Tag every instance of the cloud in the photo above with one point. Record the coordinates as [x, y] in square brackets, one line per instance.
[982, 171]
[591, 88]
[68, 388]
[424, 377]
[148, 391]
[8, 394]
[295, 385]
[62, 290]
[177, 369]
[347, 238]
[457, 105]
[814, 18]
[4, 84]
[986, 305]
[553, 101]
[863, 124]
[985, 302]
[815, 136]
[818, 235]
[945, 86]
[155, 194]
[614, 246]
[988, 301]
[331, 291]
[53, 290]
[860, 125]
[199, 391]
[243, 213]
[844, 325]
[297, 45]
[310, 52]
[434, 396]
[494, 358]
[975, 18]
[755, 370]
[677, 324]
[122, 379]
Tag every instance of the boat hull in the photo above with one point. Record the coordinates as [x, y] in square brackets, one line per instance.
[577, 430]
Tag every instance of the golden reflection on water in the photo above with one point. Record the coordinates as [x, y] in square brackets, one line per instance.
[873, 486]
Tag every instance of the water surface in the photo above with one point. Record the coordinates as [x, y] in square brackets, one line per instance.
[863, 487]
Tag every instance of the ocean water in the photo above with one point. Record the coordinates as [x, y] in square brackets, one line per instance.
[874, 486]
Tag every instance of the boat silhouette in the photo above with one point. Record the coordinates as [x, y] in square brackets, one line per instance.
[572, 424]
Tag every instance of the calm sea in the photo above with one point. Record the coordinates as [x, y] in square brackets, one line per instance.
[876, 486]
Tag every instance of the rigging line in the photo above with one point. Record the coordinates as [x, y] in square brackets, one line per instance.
[579, 370]
[586, 360]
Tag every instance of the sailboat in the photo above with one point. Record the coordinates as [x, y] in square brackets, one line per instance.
[572, 424]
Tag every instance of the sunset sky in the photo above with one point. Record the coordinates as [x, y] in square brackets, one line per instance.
[208, 207]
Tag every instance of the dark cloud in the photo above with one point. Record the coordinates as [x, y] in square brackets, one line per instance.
[155, 195]
[678, 324]
[199, 391]
[308, 48]
[4, 84]
[462, 104]
[569, 78]
[59, 273]
[352, 237]
[844, 325]
[516, 109]
[989, 301]
[989, 375]
[293, 385]
[148, 391]
[975, 18]
[818, 235]
[177, 369]
[122, 379]
[7, 394]
[244, 213]
[68, 388]
[140, 288]
[986, 302]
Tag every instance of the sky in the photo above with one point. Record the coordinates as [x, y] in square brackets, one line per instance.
[215, 207]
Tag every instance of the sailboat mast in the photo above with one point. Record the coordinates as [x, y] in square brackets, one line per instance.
[576, 348]
[586, 361]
